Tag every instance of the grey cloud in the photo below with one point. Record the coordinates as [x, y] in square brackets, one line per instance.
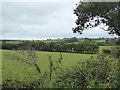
[40, 21]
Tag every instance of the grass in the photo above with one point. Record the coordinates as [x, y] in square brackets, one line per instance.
[102, 40]
[14, 68]
[17, 69]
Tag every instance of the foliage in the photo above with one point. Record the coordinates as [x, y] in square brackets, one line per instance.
[106, 51]
[55, 66]
[118, 41]
[86, 47]
[35, 81]
[92, 14]
[95, 73]
[116, 52]
[89, 46]
[69, 40]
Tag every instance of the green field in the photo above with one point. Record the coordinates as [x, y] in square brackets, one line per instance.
[14, 68]
[103, 40]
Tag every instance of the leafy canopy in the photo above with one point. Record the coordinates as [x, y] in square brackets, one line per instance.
[92, 14]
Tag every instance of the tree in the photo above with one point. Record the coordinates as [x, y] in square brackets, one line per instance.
[92, 14]
[106, 51]
[69, 40]
[86, 47]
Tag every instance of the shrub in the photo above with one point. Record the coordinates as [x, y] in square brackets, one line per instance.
[95, 73]
[116, 52]
[106, 51]
[33, 82]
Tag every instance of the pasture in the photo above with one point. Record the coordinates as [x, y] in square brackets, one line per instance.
[14, 68]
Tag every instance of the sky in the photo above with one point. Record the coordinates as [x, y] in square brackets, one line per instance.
[42, 20]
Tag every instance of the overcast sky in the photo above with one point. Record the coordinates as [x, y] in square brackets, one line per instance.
[41, 20]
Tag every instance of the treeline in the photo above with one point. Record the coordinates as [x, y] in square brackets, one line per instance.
[108, 42]
[98, 41]
[81, 47]
[70, 45]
